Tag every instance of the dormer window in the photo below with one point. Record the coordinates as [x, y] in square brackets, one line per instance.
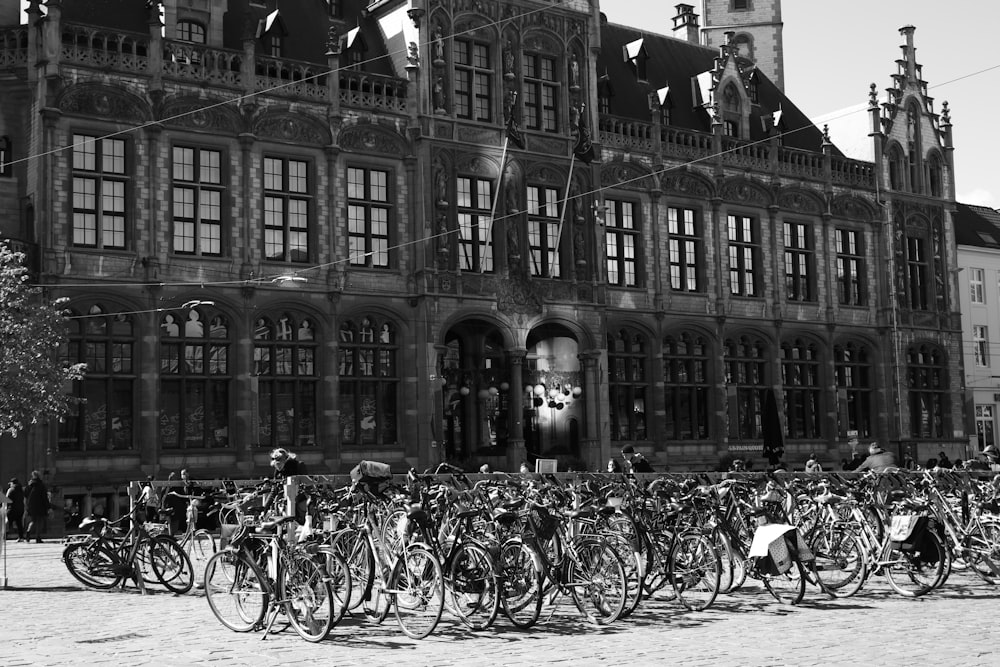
[605, 91]
[276, 46]
[731, 111]
[354, 49]
[271, 31]
[189, 31]
[635, 54]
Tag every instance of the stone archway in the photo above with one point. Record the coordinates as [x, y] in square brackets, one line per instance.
[553, 407]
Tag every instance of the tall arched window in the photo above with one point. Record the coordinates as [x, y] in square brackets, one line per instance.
[105, 342]
[369, 382]
[800, 377]
[686, 386]
[191, 31]
[746, 380]
[897, 172]
[284, 359]
[935, 176]
[855, 388]
[628, 384]
[732, 116]
[914, 147]
[927, 376]
[195, 379]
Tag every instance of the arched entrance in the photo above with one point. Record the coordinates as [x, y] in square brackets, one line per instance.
[553, 406]
[476, 378]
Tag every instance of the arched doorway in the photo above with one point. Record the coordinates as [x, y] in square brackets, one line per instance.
[476, 379]
[553, 408]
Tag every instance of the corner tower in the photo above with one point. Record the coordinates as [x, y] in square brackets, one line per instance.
[757, 27]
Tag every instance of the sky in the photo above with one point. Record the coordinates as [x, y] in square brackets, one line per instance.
[834, 50]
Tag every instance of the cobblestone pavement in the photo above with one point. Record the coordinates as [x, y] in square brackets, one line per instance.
[50, 619]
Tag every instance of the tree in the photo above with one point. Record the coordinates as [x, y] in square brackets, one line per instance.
[32, 378]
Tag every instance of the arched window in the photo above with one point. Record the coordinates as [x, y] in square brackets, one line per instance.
[369, 382]
[935, 176]
[927, 378]
[914, 147]
[897, 172]
[800, 378]
[103, 421]
[746, 382]
[191, 31]
[855, 388]
[284, 364]
[541, 70]
[686, 386]
[732, 118]
[195, 379]
[628, 384]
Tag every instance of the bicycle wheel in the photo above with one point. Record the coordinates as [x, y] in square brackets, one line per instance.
[200, 548]
[339, 575]
[623, 538]
[235, 589]
[695, 571]
[658, 575]
[981, 549]
[840, 561]
[520, 582]
[596, 580]
[917, 572]
[789, 587]
[472, 586]
[416, 589]
[356, 552]
[733, 572]
[306, 596]
[93, 565]
[171, 564]
[144, 561]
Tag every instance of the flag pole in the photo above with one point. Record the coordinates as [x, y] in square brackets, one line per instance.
[562, 213]
[493, 211]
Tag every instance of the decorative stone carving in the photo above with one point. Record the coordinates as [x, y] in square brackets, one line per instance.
[686, 184]
[104, 101]
[292, 129]
[745, 192]
[800, 200]
[194, 114]
[851, 206]
[517, 295]
[625, 175]
[373, 139]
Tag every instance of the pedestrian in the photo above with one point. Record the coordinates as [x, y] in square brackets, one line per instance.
[36, 504]
[737, 466]
[524, 468]
[856, 459]
[614, 465]
[635, 461]
[992, 456]
[878, 459]
[149, 501]
[286, 464]
[943, 460]
[812, 465]
[15, 508]
[485, 468]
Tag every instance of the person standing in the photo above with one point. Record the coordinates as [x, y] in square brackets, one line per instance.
[15, 508]
[149, 500]
[635, 461]
[812, 465]
[36, 502]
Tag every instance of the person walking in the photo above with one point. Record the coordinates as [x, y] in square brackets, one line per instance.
[36, 503]
[15, 508]
[878, 459]
[149, 500]
[635, 461]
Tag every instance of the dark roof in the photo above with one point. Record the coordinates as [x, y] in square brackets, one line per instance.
[673, 62]
[977, 226]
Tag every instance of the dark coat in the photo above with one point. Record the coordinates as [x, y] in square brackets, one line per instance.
[16, 496]
[36, 498]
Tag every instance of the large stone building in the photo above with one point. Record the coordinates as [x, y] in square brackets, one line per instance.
[379, 231]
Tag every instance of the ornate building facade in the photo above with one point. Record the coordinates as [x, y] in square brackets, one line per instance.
[465, 230]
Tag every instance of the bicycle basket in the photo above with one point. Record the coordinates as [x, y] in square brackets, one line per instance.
[543, 523]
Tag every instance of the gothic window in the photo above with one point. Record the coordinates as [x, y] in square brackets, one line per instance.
[850, 268]
[541, 92]
[732, 118]
[917, 273]
[628, 384]
[935, 176]
[855, 388]
[622, 241]
[744, 256]
[897, 170]
[104, 418]
[368, 212]
[369, 382]
[685, 249]
[287, 200]
[195, 379]
[543, 231]
[100, 179]
[190, 31]
[475, 203]
[473, 80]
[800, 262]
[800, 379]
[284, 365]
[927, 379]
[746, 380]
[197, 205]
[914, 147]
[686, 363]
